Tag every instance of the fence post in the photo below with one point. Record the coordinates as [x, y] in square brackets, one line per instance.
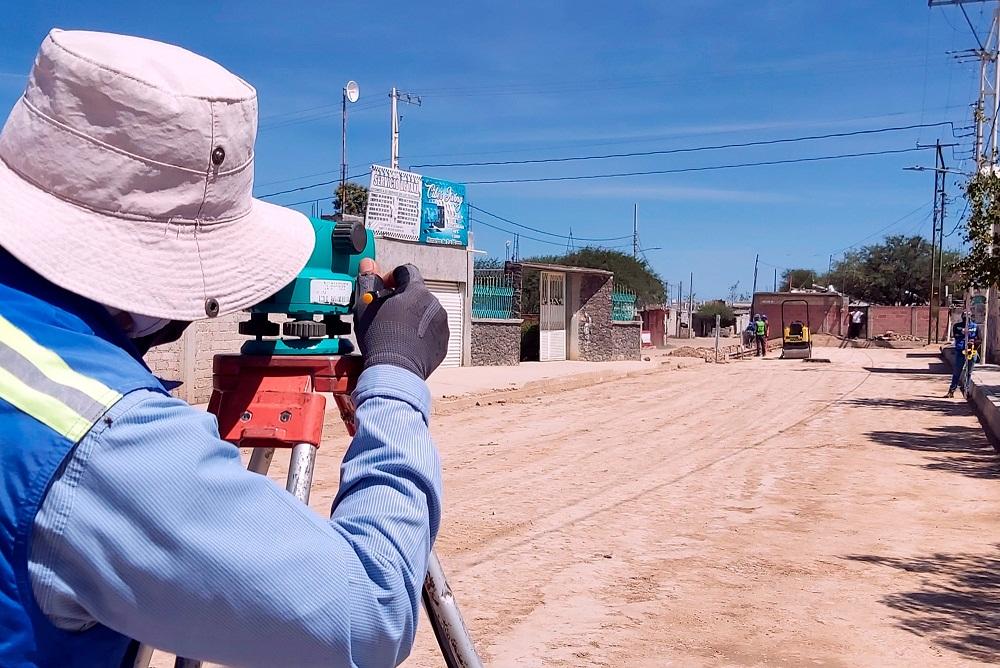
[718, 320]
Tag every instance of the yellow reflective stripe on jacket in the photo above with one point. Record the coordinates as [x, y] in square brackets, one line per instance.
[40, 383]
[51, 412]
[52, 365]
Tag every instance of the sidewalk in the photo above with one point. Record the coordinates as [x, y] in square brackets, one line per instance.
[984, 396]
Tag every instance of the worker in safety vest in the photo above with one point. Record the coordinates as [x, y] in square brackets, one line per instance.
[761, 335]
[126, 171]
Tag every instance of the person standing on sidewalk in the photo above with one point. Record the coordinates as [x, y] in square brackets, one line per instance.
[966, 335]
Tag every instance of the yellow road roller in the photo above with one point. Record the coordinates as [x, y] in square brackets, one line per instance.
[796, 341]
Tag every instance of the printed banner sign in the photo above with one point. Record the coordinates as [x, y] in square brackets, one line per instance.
[444, 216]
[394, 204]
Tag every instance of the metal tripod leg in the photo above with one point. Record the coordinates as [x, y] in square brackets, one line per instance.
[446, 619]
[300, 471]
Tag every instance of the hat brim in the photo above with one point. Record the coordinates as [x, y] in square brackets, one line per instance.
[159, 269]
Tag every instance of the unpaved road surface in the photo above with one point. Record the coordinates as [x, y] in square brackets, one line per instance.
[760, 513]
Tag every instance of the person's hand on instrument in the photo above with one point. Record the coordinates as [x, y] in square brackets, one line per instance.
[407, 327]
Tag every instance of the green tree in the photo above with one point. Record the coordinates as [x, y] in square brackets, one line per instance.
[896, 271]
[980, 268]
[727, 318]
[630, 273]
[797, 278]
[352, 199]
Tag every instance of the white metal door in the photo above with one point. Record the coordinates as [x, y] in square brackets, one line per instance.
[451, 298]
[551, 317]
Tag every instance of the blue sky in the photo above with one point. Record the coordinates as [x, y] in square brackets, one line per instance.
[516, 81]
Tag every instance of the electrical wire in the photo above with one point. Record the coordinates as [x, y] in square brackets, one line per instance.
[961, 219]
[685, 170]
[971, 27]
[312, 185]
[692, 149]
[883, 229]
[479, 221]
[551, 234]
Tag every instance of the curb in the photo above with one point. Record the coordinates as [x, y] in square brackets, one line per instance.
[985, 406]
[536, 388]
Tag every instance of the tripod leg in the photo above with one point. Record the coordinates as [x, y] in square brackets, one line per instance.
[300, 471]
[446, 619]
[260, 460]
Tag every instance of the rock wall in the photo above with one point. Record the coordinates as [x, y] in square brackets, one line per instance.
[596, 331]
[627, 337]
[496, 342]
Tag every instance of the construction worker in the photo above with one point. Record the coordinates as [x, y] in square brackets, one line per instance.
[965, 332]
[126, 171]
[761, 335]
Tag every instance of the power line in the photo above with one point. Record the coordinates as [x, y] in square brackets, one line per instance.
[551, 234]
[683, 170]
[883, 229]
[312, 185]
[692, 149]
[323, 173]
[971, 27]
[317, 116]
[479, 221]
[961, 219]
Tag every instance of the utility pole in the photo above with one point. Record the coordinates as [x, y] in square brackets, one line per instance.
[934, 296]
[635, 230]
[349, 93]
[691, 307]
[680, 300]
[987, 111]
[395, 96]
[756, 259]
[394, 154]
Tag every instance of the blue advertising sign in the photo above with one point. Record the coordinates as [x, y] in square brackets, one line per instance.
[444, 215]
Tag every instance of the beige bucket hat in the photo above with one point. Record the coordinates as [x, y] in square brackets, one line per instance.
[126, 171]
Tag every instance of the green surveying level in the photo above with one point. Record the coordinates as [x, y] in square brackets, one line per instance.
[325, 288]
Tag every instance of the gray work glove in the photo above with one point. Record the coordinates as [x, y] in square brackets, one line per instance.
[407, 329]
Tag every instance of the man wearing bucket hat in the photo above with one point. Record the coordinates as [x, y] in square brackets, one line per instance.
[125, 212]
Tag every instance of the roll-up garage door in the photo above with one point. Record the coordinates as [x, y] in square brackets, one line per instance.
[452, 299]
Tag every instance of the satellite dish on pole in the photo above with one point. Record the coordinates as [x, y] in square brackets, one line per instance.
[352, 92]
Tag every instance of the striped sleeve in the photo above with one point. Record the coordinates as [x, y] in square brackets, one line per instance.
[155, 529]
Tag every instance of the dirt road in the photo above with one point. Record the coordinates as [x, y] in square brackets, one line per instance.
[759, 513]
[756, 513]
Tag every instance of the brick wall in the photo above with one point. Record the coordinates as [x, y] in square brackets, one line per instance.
[189, 360]
[596, 331]
[165, 362]
[826, 313]
[496, 342]
[910, 320]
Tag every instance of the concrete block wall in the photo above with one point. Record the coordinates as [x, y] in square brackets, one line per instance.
[496, 342]
[189, 359]
[212, 337]
[165, 362]
[596, 330]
